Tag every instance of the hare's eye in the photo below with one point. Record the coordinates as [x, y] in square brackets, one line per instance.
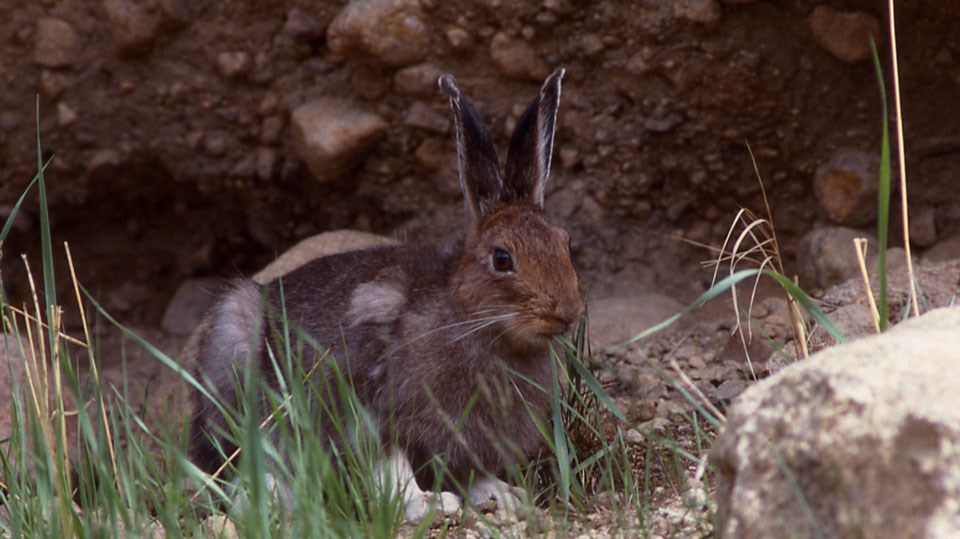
[502, 261]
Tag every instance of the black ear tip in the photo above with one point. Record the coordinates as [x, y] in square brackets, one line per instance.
[449, 85]
[555, 77]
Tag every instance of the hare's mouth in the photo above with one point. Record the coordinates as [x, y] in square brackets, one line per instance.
[551, 326]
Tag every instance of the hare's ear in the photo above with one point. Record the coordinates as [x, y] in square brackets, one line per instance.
[531, 148]
[476, 155]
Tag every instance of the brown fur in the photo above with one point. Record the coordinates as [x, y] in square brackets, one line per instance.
[413, 325]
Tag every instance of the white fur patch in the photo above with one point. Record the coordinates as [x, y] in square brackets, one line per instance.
[375, 302]
[395, 477]
[235, 328]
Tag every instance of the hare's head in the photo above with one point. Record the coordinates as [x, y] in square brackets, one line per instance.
[516, 269]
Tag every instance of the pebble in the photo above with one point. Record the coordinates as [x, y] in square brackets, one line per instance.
[56, 43]
[392, 32]
[422, 116]
[418, 80]
[332, 135]
[192, 300]
[701, 11]
[433, 154]
[271, 129]
[845, 35]
[591, 45]
[923, 227]
[946, 249]
[302, 25]
[233, 64]
[266, 163]
[846, 187]
[53, 83]
[516, 59]
[132, 29]
[65, 114]
[827, 257]
[458, 38]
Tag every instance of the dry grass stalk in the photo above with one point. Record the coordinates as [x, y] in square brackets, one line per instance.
[860, 246]
[903, 163]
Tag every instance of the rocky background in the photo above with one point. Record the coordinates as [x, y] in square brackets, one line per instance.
[201, 139]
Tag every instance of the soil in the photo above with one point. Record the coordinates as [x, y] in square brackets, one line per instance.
[173, 157]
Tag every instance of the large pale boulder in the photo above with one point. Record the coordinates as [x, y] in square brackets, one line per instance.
[861, 440]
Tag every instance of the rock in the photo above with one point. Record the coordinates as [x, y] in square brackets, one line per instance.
[233, 64]
[516, 59]
[458, 38]
[417, 80]
[923, 227]
[56, 43]
[266, 163]
[302, 25]
[271, 129]
[325, 244]
[860, 440]
[944, 250]
[132, 28]
[191, 301]
[826, 256]
[391, 32]
[422, 116]
[701, 11]
[618, 318]
[846, 187]
[845, 35]
[65, 114]
[332, 135]
[52, 84]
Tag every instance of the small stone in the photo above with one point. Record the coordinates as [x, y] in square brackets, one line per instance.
[391, 32]
[845, 35]
[332, 135]
[422, 116]
[52, 84]
[215, 144]
[433, 154]
[846, 187]
[175, 14]
[233, 64]
[302, 25]
[458, 38]
[826, 256]
[569, 157]
[417, 80]
[944, 250]
[271, 129]
[132, 28]
[662, 124]
[65, 115]
[516, 59]
[266, 163]
[923, 227]
[591, 45]
[56, 43]
[192, 300]
[701, 11]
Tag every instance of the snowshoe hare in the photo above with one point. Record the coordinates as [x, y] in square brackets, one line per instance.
[444, 345]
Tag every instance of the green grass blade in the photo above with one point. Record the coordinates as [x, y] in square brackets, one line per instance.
[46, 241]
[16, 207]
[725, 284]
[883, 195]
